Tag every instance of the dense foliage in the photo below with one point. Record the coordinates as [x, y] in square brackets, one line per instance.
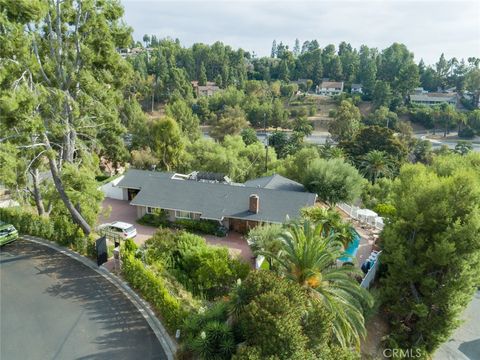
[431, 250]
[206, 271]
[167, 296]
[307, 256]
[333, 181]
[59, 230]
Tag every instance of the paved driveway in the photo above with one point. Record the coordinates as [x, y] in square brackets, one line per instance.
[122, 211]
[53, 307]
[465, 341]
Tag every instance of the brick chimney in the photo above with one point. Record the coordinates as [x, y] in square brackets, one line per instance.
[254, 205]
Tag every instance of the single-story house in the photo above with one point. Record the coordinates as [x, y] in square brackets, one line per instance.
[357, 89]
[330, 88]
[432, 99]
[236, 206]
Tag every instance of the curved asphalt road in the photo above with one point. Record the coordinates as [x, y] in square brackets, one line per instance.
[53, 307]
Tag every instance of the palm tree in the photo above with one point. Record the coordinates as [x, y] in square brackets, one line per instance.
[265, 238]
[308, 256]
[332, 222]
[376, 164]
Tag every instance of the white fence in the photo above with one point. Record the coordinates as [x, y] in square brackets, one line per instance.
[111, 190]
[370, 276]
[363, 215]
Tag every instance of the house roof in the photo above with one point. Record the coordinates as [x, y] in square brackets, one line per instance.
[215, 200]
[357, 86]
[207, 87]
[276, 182]
[440, 97]
[136, 179]
[208, 83]
[332, 84]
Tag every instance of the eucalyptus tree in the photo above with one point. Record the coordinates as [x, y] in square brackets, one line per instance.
[62, 85]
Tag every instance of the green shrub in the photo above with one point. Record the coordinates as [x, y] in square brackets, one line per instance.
[210, 271]
[153, 289]
[58, 229]
[466, 133]
[217, 340]
[207, 271]
[101, 178]
[157, 219]
[210, 227]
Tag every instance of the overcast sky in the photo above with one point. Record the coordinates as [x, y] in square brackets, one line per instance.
[427, 27]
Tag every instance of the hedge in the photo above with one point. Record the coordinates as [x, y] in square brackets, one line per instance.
[153, 290]
[157, 290]
[58, 229]
[203, 226]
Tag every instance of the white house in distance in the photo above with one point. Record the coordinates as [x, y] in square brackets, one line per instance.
[433, 98]
[357, 89]
[330, 88]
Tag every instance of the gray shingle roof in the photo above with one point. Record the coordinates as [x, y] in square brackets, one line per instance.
[437, 97]
[215, 201]
[276, 182]
[135, 179]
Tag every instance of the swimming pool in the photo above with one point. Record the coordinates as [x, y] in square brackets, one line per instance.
[352, 248]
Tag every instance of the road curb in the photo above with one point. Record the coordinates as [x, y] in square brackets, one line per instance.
[168, 344]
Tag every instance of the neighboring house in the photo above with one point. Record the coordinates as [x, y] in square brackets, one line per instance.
[432, 99]
[330, 88]
[238, 207]
[357, 89]
[420, 90]
[205, 90]
[128, 52]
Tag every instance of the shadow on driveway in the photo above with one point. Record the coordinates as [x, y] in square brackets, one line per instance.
[54, 307]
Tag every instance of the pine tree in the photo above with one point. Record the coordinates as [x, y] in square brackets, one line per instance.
[431, 251]
[296, 48]
[202, 77]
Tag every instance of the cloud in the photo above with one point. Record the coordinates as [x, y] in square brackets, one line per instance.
[428, 28]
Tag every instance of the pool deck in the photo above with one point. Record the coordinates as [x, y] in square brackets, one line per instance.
[366, 233]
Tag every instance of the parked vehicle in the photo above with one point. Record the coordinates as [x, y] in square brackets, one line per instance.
[8, 233]
[118, 230]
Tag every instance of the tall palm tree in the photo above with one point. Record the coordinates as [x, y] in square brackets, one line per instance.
[376, 164]
[308, 256]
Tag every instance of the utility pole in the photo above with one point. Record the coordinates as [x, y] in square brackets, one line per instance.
[266, 140]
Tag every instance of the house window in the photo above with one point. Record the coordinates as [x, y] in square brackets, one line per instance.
[150, 210]
[183, 214]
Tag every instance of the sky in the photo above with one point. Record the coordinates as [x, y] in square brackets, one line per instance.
[427, 27]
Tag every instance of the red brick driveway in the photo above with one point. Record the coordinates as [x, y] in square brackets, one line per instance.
[121, 210]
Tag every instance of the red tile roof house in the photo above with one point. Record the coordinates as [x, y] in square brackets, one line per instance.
[238, 207]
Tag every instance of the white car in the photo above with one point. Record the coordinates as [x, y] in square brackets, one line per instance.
[118, 229]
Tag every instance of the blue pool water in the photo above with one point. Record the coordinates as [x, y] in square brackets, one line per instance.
[352, 248]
